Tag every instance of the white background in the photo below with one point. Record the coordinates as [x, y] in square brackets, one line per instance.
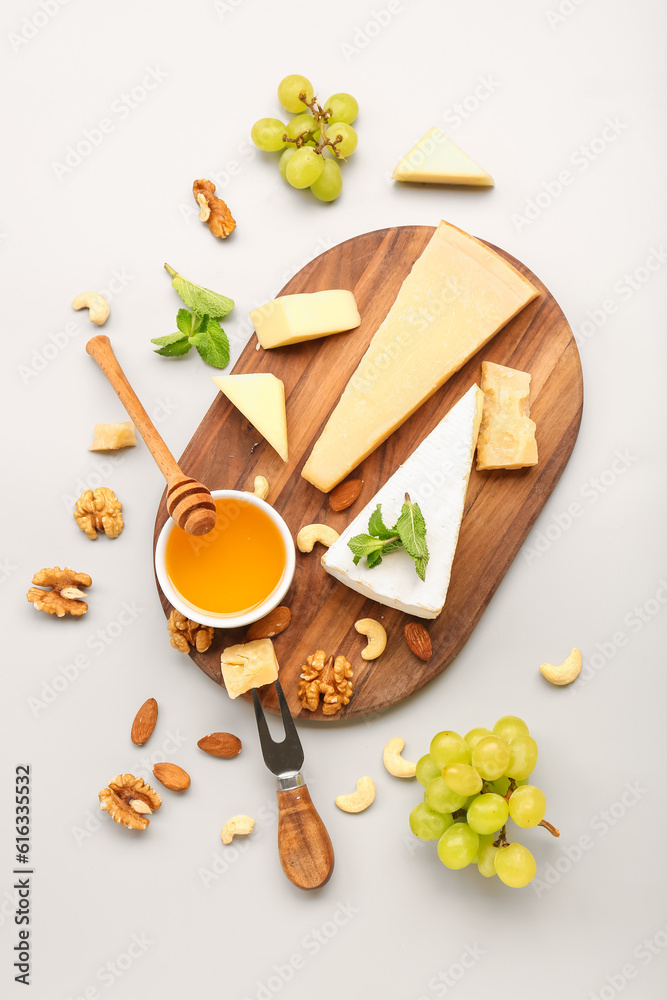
[529, 93]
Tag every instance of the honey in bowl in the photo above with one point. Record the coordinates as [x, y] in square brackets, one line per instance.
[233, 568]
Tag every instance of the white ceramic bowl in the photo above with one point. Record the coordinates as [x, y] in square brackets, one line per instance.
[228, 621]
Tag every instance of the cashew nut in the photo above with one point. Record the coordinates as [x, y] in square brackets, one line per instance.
[312, 533]
[359, 800]
[377, 637]
[205, 213]
[236, 825]
[261, 487]
[395, 764]
[564, 673]
[96, 304]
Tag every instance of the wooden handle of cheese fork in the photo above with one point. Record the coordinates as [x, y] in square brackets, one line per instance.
[305, 848]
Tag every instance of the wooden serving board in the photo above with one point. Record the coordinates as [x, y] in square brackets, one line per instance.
[226, 452]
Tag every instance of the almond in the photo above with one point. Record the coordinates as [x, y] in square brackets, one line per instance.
[345, 494]
[220, 744]
[272, 624]
[418, 640]
[172, 776]
[144, 722]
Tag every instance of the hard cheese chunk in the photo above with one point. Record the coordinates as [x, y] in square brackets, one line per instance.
[436, 477]
[507, 435]
[437, 160]
[248, 665]
[111, 437]
[457, 296]
[289, 319]
[261, 399]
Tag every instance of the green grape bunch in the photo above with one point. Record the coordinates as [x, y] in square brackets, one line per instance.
[313, 141]
[473, 785]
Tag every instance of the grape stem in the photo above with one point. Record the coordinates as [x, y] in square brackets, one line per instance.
[548, 826]
[512, 788]
[321, 116]
[501, 840]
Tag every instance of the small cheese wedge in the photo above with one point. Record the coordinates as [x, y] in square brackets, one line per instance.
[437, 160]
[111, 437]
[436, 477]
[290, 319]
[248, 665]
[458, 294]
[261, 399]
[507, 435]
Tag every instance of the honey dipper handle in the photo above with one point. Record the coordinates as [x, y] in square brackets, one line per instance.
[101, 351]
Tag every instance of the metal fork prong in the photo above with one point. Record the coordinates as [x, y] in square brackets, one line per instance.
[286, 754]
[288, 722]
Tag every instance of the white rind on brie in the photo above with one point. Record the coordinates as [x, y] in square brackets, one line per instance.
[436, 477]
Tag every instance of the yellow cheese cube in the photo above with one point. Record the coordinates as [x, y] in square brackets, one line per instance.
[290, 319]
[110, 437]
[248, 665]
[507, 434]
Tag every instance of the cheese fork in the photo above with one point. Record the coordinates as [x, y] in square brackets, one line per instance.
[304, 846]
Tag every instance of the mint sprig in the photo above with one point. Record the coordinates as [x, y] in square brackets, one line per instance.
[409, 533]
[198, 326]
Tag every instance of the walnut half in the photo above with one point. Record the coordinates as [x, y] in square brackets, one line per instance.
[185, 633]
[99, 510]
[64, 598]
[327, 677]
[214, 211]
[128, 800]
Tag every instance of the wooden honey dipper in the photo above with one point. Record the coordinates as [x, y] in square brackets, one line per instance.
[189, 503]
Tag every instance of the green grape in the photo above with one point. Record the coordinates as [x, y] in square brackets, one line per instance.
[304, 167]
[285, 157]
[343, 107]
[515, 865]
[462, 778]
[458, 846]
[427, 770]
[509, 727]
[448, 747]
[329, 184]
[528, 805]
[475, 735]
[441, 798]
[491, 757]
[289, 89]
[501, 785]
[487, 813]
[523, 757]
[267, 134]
[299, 124]
[427, 824]
[348, 144]
[486, 858]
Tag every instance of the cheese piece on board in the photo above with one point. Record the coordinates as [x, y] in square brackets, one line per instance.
[436, 477]
[437, 160]
[458, 294]
[291, 319]
[248, 665]
[261, 399]
[507, 435]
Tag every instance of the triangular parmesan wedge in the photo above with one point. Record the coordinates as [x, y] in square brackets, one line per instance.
[261, 399]
[436, 477]
[458, 294]
[437, 160]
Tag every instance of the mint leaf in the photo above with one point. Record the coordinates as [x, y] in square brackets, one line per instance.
[373, 559]
[211, 342]
[185, 322]
[200, 300]
[174, 345]
[364, 545]
[376, 525]
[411, 528]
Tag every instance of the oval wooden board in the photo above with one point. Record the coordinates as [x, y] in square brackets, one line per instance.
[501, 507]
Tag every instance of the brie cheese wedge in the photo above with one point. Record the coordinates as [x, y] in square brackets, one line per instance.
[436, 477]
